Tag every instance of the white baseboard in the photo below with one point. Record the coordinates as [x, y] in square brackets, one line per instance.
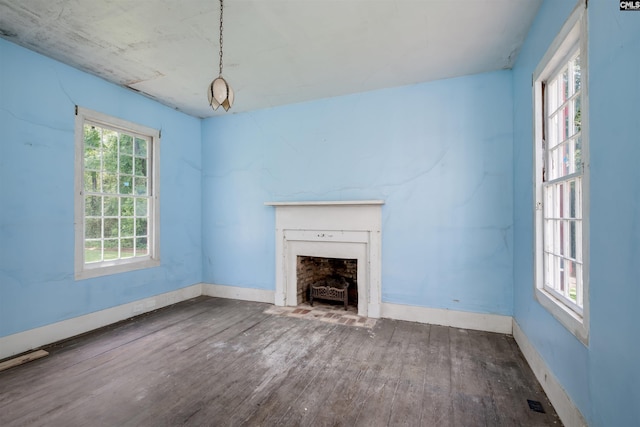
[38, 337]
[457, 319]
[236, 292]
[569, 414]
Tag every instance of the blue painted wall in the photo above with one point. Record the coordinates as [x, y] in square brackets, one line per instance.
[452, 159]
[439, 154]
[37, 286]
[603, 378]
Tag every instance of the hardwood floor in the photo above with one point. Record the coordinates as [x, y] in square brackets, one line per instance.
[218, 362]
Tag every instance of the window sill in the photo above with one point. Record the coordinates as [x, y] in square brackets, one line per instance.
[97, 271]
[576, 324]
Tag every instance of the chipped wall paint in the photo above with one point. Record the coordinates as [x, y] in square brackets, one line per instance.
[37, 285]
[439, 155]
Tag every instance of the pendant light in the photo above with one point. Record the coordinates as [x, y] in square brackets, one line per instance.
[220, 93]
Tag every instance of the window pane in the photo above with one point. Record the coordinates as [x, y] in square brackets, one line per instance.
[126, 164]
[92, 250]
[549, 271]
[141, 227]
[578, 237]
[91, 137]
[92, 159]
[141, 186]
[93, 206]
[571, 281]
[553, 131]
[111, 159]
[126, 184]
[565, 85]
[110, 183]
[564, 200]
[126, 144]
[561, 249]
[126, 227]
[111, 227]
[577, 74]
[141, 246]
[92, 181]
[141, 207]
[93, 228]
[579, 197]
[572, 156]
[110, 149]
[547, 201]
[553, 163]
[560, 264]
[141, 167]
[572, 199]
[126, 206]
[579, 285]
[566, 125]
[126, 248]
[577, 114]
[110, 206]
[552, 91]
[572, 239]
[141, 147]
[111, 249]
[548, 236]
[578, 155]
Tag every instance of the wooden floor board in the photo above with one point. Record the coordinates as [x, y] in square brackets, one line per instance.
[218, 362]
[406, 405]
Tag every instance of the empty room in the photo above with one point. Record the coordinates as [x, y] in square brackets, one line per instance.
[319, 213]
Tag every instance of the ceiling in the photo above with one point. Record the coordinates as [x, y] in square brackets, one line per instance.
[276, 52]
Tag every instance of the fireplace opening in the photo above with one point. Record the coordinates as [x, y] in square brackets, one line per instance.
[315, 272]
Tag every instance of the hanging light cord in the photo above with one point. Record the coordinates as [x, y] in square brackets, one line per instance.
[221, 37]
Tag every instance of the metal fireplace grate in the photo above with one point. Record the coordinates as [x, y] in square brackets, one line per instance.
[332, 288]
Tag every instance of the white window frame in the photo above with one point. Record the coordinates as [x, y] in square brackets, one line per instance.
[572, 36]
[85, 270]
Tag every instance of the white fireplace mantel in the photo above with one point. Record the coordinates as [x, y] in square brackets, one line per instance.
[328, 203]
[332, 229]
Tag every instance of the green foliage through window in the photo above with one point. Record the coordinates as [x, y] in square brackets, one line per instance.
[116, 194]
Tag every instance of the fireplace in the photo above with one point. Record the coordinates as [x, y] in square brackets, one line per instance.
[315, 272]
[350, 230]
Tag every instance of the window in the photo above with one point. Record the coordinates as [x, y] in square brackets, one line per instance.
[561, 176]
[116, 205]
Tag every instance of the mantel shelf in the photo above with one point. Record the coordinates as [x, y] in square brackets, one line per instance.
[327, 203]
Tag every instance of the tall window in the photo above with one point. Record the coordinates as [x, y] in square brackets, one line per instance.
[562, 185]
[561, 176]
[116, 195]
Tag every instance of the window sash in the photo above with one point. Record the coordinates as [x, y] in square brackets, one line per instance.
[117, 203]
[562, 183]
[126, 150]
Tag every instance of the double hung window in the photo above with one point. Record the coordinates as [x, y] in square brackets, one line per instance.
[561, 176]
[116, 195]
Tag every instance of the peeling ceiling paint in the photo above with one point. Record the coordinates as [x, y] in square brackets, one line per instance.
[276, 52]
